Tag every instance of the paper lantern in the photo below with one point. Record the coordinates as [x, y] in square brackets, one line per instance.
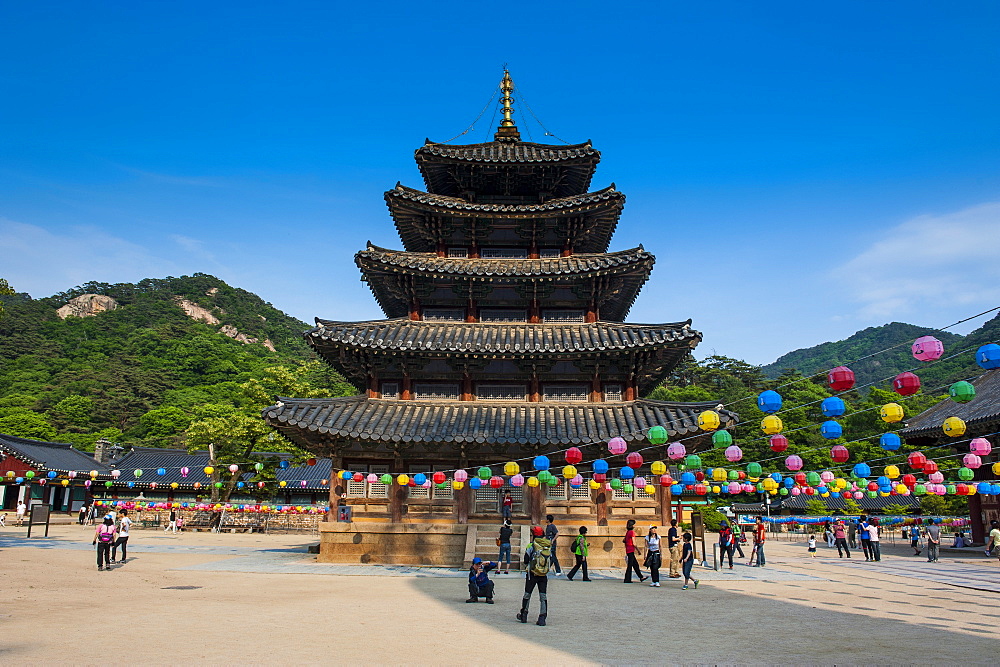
[461, 476]
[310, 462]
[626, 473]
[184, 472]
[639, 482]
[657, 435]
[594, 484]
[419, 479]
[927, 348]
[634, 460]
[719, 474]
[234, 468]
[840, 454]
[936, 477]
[402, 479]
[577, 481]
[906, 384]
[284, 465]
[840, 378]
[966, 474]
[688, 478]
[71, 474]
[209, 470]
[496, 482]
[475, 483]
[357, 477]
[930, 467]
[861, 470]
[769, 401]
[892, 472]
[700, 489]
[258, 466]
[676, 450]
[458, 486]
[65, 482]
[734, 487]
[115, 474]
[962, 392]
[891, 413]
[980, 446]
[649, 490]
[666, 480]
[616, 483]
[909, 480]
[754, 470]
[771, 425]
[734, 453]
[484, 473]
[569, 472]
[439, 477]
[988, 356]
[778, 443]
[953, 427]
[721, 439]
[345, 474]
[372, 478]
[658, 467]
[890, 442]
[813, 478]
[709, 420]
[600, 466]
[972, 461]
[831, 430]
[573, 455]
[794, 462]
[692, 461]
[617, 446]
[833, 406]
[795, 491]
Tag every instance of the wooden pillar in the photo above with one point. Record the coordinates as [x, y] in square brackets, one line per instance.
[373, 388]
[471, 311]
[976, 523]
[536, 502]
[595, 388]
[463, 502]
[566, 251]
[534, 312]
[467, 394]
[442, 250]
[337, 486]
[397, 493]
[474, 251]
[630, 390]
[600, 498]
[534, 395]
[415, 309]
[591, 315]
[665, 499]
[406, 391]
[533, 251]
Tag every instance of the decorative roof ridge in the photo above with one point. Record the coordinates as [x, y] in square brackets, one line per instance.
[320, 322]
[281, 401]
[638, 250]
[421, 196]
[428, 143]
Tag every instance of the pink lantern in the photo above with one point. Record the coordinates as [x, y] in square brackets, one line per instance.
[184, 472]
[794, 462]
[71, 474]
[972, 461]
[303, 483]
[87, 483]
[578, 480]
[676, 450]
[639, 482]
[634, 460]
[461, 476]
[778, 442]
[152, 485]
[748, 488]
[827, 476]
[517, 480]
[608, 487]
[234, 468]
[733, 453]
[858, 495]
[426, 484]
[115, 474]
[936, 477]
[795, 491]
[617, 446]
[372, 478]
[840, 454]
[980, 446]
[735, 487]
[927, 348]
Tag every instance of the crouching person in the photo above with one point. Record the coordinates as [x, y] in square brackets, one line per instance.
[479, 581]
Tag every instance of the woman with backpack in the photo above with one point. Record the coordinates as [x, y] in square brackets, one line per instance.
[727, 543]
[104, 537]
[580, 551]
[653, 556]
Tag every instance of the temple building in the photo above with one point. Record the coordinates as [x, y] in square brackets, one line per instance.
[505, 336]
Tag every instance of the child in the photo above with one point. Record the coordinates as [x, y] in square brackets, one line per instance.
[812, 545]
[3, 519]
[687, 562]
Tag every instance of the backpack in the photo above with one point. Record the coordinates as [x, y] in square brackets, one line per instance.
[540, 557]
[105, 537]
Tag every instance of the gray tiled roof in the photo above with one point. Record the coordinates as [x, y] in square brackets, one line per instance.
[47, 456]
[981, 414]
[472, 209]
[456, 422]
[521, 151]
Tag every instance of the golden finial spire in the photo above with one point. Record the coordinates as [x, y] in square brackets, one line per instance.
[507, 130]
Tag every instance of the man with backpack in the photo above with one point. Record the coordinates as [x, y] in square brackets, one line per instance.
[537, 559]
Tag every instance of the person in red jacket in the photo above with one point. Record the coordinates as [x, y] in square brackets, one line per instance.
[630, 562]
[759, 536]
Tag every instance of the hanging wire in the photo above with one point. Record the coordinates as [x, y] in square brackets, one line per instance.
[540, 124]
[472, 126]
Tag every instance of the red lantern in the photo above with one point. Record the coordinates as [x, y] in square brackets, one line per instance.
[840, 454]
[700, 489]
[358, 477]
[800, 478]
[439, 478]
[496, 482]
[810, 491]
[600, 477]
[962, 489]
[740, 474]
[906, 384]
[411, 482]
[634, 460]
[840, 378]
[873, 486]
[916, 460]
[930, 467]
[779, 443]
[909, 480]
[311, 462]
[666, 480]
[700, 476]
[573, 456]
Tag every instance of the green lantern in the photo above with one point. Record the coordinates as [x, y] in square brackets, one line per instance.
[734, 475]
[871, 494]
[552, 480]
[754, 469]
[692, 461]
[258, 467]
[962, 392]
[627, 488]
[657, 435]
[721, 439]
[442, 485]
[544, 476]
[965, 474]
[107, 484]
[782, 491]
[386, 479]
[218, 485]
[484, 473]
[616, 483]
[951, 489]
[760, 487]
[29, 474]
[813, 478]
[919, 490]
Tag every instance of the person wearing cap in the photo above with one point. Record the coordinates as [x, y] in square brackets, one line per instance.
[727, 543]
[479, 581]
[537, 560]
[104, 537]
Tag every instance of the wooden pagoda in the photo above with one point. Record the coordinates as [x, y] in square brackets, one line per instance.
[505, 334]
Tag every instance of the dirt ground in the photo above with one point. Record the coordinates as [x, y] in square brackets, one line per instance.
[56, 607]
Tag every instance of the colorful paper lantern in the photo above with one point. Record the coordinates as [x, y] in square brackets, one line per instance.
[771, 424]
[972, 461]
[962, 392]
[966, 474]
[769, 401]
[754, 470]
[284, 464]
[692, 461]
[617, 446]
[734, 453]
[916, 460]
[831, 430]
[840, 454]
[634, 460]
[517, 480]
[927, 348]
[666, 480]
[573, 455]
[709, 420]
[953, 427]
[988, 356]
[458, 486]
[980, 446]
[496, 482]
[626, 473]
[861, 471]
[184, 472]
[833, 406]
[721, 439]
[475, 483]
[906, 384]
[419, 479]
[440, 477]
[649, 490]
[657, 435]
[778, 443]
[258, 466]
[71, 474]
[930, 467]
[569, 472]
[115, 474]
[461, 475]
[676, 450]
[234, 468]
[484, 473]
[658, 467]
[794, 462]
[840, 378]
[891, 413]
[357, 477]
[600, 467]
[892, 472]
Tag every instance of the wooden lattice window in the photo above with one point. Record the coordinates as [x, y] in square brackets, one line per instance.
[502, 315]
[612, 392]
[444, 315]
[569, 316]
[435, 391]
[504, 253]
[566, 393]
[389, 390]
[501, 392]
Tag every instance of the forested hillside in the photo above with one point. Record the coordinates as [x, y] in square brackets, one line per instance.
[168, 354]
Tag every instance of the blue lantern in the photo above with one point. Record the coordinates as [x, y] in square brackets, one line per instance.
[789, 482]
[626, 473]
[776, 476]
[541, 463]
[861, 470]
[184, 504]
[688, 478]
[344, 474]
[769, 401]
[988, 356]
[600, 466]
[831, 430]
[884, 481]
[53, 474]
[835, 494]
[475, 483]
[284, 465]
[419, 479]
[20, 480]
[833, 406]
[890, 442]
[676, 489]
[240, 485]
[131, 485]
[161, 471]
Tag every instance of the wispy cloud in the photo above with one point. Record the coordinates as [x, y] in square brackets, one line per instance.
[929, 262]
[172, 179]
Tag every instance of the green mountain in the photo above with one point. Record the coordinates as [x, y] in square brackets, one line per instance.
[139, 363]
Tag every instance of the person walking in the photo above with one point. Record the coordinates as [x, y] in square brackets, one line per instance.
[172, 525]
[933, 534]
[993, 541]
[840, 538]
[92, 514]
[738, 537]
[507, 507]
[727, 543]
[674, 547]
[687, 562]
[759, 537]
[123, 525]
[866, 543]
[552, 532]
[828, 534]
[631, 564]
[537, 560]
[653, 556]
[104, 537]
[83, 515]
[812, 545]
[915, 540]
[852, 534]
[20, 512]
[580, 552]
[873, 540]
[479, 581]
[503, 541]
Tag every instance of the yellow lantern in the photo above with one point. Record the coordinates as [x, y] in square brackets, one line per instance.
[93, 474]
[841, 483]
[771, 425]
[954, 427]
[65, 482]
[458, 486]
[769, 484]
[900, 488]
[282, 483]
[709, 420]
[996, 468]
[596, 485]
[884, 494]
[827, 494]
[510, 469]
[649, 489]
[891, 413]
[716, 489]
[773, 492]
[569, 472]
[720, 474]
[892, 472]
[402, 480]
[174, 485]
[209, 470]
[658, 468]
[532, 481]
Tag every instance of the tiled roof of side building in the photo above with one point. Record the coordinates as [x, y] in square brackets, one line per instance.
[57, 456]
[460, 337]
[456, 422]
[981, 414]
[521, 151]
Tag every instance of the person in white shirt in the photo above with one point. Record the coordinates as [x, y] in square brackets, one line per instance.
[21, 510]
[873, 531]
[124, 523]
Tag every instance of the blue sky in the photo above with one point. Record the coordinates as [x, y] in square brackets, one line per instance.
[800, 170]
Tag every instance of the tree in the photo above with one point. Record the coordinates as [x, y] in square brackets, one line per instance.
[5, 290]
[816, 507]
[944, 505]
[73, 410]
[852, 508]
[896, 509]
[28, 425]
